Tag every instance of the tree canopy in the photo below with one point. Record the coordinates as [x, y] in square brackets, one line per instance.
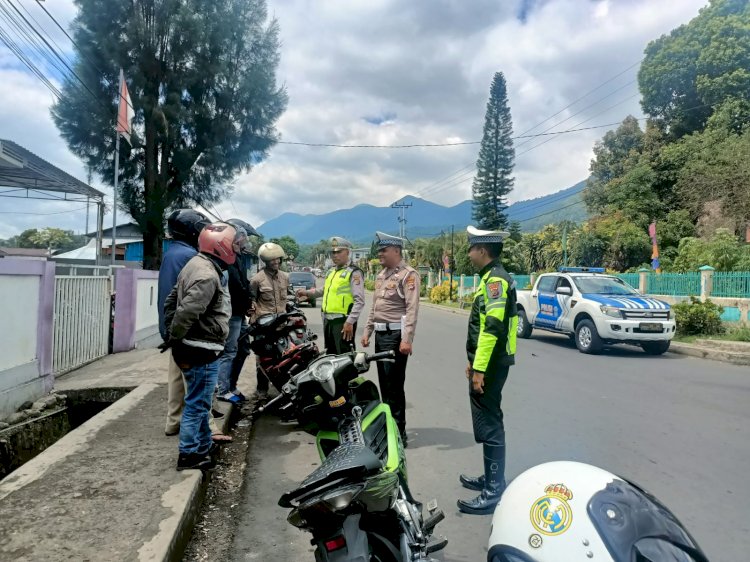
[201, 75]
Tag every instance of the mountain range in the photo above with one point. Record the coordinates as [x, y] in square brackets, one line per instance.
[424, 218]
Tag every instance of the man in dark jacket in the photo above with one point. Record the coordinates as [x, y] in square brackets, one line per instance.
[239, 291]
[184, 227]
[197, 320]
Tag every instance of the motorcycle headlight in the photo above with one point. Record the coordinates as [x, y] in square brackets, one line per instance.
[611, 311]
[323, 371]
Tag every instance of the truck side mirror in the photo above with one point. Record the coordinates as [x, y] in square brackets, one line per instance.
[567, 291]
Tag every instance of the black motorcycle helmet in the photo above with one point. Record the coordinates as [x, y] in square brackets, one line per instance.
[249, 230]
[186, 225]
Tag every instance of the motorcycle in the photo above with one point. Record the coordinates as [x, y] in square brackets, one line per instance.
[357, 504]
[283, 344]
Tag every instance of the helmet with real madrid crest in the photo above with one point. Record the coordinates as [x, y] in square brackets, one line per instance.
[570, 511]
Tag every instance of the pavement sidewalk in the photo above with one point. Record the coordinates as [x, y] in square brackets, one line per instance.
[109, 489]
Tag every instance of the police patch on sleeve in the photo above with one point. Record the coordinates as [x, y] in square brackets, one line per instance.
[357, 278]
[493, 290]
[412, 281]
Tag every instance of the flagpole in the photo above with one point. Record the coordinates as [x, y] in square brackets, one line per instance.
[113, 249]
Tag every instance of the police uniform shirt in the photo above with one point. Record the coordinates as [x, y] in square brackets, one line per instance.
[396, 299]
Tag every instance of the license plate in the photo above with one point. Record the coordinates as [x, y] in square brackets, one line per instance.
[650, 327]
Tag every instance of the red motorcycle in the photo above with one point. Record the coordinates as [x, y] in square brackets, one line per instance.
[283, 344]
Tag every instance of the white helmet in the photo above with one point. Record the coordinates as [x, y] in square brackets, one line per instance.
[270, 251]
[569, 511]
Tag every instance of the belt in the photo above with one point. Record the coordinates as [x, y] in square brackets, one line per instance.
[333, 316]
[387, 326]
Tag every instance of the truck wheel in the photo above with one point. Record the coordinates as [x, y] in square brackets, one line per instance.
[524, 328]
[655, 347]
[587, 338]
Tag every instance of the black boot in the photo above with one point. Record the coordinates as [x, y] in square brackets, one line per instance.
[494, 480]
[472, 482]
[194, 461]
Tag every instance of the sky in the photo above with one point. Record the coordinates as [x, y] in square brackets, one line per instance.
[396, 72]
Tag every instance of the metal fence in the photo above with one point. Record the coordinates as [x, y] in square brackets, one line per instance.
[632, 279]
[731, 284]
[522, 281]
[81, 322]
[674, 284]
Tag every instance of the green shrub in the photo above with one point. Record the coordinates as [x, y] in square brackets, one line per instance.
[441, 293]
[739, 333]
[696, 318]
[369, 285]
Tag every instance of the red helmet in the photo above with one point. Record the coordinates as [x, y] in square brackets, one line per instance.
[216, 240]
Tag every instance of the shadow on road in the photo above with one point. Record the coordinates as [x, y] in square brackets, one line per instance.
[444, 438]
[621, 350]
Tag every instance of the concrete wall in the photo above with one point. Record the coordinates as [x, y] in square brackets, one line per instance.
[735, 309]
[27, 301]
[136, 312]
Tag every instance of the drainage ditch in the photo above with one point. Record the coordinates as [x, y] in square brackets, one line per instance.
[21, 442]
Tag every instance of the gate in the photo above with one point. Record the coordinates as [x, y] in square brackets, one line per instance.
[82, 321]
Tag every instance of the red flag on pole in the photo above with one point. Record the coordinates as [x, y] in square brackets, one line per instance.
[125, 111]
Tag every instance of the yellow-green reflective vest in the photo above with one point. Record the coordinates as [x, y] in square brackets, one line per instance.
[337, 292]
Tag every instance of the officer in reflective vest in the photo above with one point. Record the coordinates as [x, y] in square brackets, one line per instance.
[343, 298]
[491, 349]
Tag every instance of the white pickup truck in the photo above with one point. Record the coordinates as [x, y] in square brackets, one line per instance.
[595, 310]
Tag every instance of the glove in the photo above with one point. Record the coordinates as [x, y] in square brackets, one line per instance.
[165, 345]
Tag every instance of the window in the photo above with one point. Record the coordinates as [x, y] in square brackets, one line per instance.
[547, 284]
[563, 282]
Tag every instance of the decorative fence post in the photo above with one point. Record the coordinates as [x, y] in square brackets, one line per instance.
[430, 279]
[643, 280]
[707, 281]
[461, 286]
[532, 279]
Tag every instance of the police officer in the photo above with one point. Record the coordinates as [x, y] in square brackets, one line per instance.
[393, 318]
[343, 298]
[491, 348]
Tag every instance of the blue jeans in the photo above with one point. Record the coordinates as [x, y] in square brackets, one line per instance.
[195, 433]
[227, 356]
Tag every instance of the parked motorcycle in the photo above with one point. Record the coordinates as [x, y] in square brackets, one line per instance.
[283, 344]
[357, 503]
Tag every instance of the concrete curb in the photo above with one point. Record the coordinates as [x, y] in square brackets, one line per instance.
[712, 353]
[185, 500]
[463, 312]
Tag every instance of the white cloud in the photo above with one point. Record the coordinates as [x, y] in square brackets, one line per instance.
[424, 69]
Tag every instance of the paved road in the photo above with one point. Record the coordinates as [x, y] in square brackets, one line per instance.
[678, 426]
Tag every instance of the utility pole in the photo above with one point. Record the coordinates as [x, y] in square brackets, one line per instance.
[402, 217]
[450, 277]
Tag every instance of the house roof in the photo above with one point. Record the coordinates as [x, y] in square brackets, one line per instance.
[24, 174]
[24, 252]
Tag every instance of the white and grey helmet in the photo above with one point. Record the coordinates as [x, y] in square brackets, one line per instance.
[270, 251]
[571, 512]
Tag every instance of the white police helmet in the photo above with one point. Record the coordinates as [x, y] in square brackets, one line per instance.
[569, 511]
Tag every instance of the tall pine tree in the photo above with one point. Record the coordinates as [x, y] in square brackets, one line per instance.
[494, 180]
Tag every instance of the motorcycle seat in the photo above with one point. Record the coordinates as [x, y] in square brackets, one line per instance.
[350, 460]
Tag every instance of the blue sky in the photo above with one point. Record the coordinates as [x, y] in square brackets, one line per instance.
[398, 72]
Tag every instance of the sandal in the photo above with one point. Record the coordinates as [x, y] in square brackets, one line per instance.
[222, 438]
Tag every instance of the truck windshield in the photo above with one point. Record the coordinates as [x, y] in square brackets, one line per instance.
[603, 286]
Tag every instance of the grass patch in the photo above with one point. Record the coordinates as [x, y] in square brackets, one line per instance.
[733, 333]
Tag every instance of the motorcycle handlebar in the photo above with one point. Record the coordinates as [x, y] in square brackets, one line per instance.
[381, 355]
[268, 404]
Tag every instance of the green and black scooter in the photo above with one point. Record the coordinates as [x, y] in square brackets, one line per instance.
[357, 503]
